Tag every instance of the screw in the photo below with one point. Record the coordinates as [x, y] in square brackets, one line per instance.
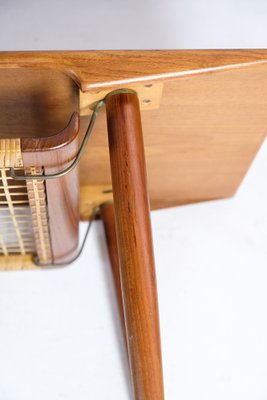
[146, 101]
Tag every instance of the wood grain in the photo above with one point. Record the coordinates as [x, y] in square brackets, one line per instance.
[55, 153]
[35, 102]
[99, 70]
[108, 218]
[200, 142]
[134, 239]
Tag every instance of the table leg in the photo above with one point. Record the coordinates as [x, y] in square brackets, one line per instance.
[135, 248]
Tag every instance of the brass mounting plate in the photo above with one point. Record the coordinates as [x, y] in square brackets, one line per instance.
[149, 96]
[91, 197]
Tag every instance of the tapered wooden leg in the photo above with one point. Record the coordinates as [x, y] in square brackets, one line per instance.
[108, 218]
[134, 238]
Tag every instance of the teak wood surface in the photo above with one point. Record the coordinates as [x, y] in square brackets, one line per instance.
[204, 119]
[135, 247]
[56, 153]
[108, 217]
[200, 138]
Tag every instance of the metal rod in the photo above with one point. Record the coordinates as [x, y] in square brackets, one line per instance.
[59, 174]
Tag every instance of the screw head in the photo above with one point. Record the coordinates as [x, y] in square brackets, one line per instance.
[146, 101]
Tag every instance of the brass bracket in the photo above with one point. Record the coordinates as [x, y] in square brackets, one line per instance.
[149, 96]
[91, 196]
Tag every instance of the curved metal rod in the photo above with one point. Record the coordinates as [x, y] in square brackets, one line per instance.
[87, 135]
[75, 162]
[63, 264]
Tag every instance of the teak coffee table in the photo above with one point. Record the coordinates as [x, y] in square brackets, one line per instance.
[203, 118]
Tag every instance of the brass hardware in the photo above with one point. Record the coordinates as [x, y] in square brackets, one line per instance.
[64, 172]
[92, 196]
[150, 92]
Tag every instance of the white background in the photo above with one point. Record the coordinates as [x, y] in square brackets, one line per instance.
[59, 330]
